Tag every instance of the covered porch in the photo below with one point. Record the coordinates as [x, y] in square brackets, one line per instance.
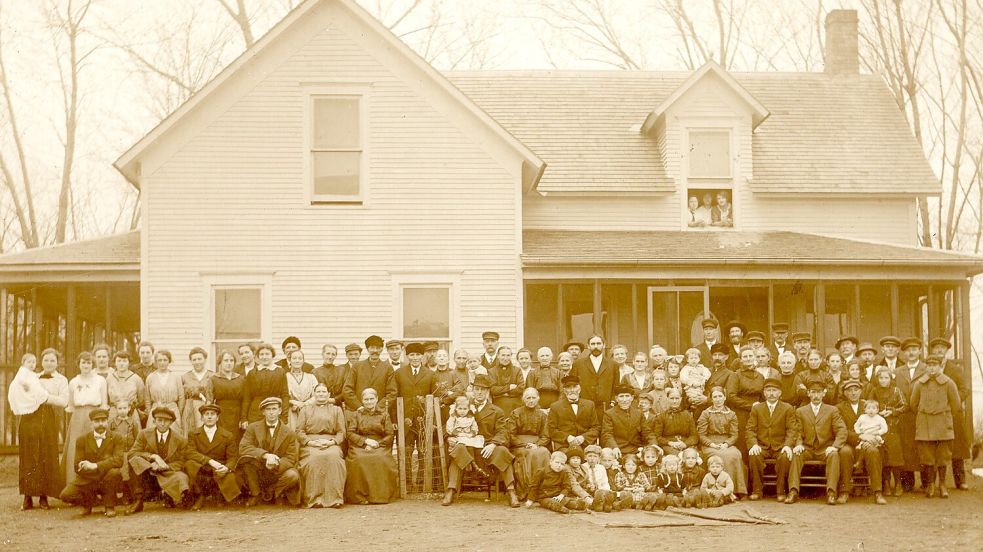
[68, 297]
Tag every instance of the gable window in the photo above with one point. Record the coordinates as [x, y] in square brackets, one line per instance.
[336, 148]
[709, 199]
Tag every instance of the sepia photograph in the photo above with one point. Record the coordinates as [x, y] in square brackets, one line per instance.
[491, 275]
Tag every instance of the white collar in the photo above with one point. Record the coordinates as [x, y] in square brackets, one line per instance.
[100, 435]
[162, 435]
[210, 431]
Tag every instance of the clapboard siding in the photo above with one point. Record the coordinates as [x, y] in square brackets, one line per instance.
[233, 200]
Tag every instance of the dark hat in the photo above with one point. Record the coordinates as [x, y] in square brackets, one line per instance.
[815, 385]
[574, 451]
[373, 341]
[779, 327]
[570, 381]
[430, 346]
[890, 339]
[353, 347]
[291, 339]
[622, 388]
[755, 334]
[210, 406]
[866, 346]
[162, 412]
[840, 341]
[735, 324]
[852, 383]
[940, 341]
[801, 336]
[772, 382]
[572, 343]
[710, 323]
[394, 343]
[269, 401]
[100, 413]
[490, 335]
[414, 348]
[934, 359]
[911, 342]
[719, 348]
[482, 380]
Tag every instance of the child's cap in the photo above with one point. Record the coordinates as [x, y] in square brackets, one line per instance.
[592, 449]
[575, 451]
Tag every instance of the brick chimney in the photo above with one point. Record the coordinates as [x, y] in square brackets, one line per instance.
[842, 56]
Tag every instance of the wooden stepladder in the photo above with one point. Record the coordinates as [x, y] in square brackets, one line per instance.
[428, 426]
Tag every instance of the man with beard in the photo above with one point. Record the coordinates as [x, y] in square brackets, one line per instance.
[720, 375]
[371, 372]
[573, 421]
[735, 332]
[598, 375]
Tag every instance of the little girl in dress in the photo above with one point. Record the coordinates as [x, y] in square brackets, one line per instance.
[462, 427]
[694, 377]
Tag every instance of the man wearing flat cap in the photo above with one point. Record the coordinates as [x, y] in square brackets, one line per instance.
[414, 382]
[711, 336]
[847, 346]
[372, 372]
[495, 455]
[770, 435]
[332, 375]
[394, 353]
[623, 428]
[489, 340]
[858, 447]
[962, 431]
[720, 375]
[158, 455]
[866, 355]
[909, 370]
[801, 345]
[353, 352]
[779, 335]
[821, 433]
[890, 347]
[289, 345]
[98, 459]
[268, 456]
[212, 455]
[572, 421]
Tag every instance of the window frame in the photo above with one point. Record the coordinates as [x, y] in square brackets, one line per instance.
[448, 281]
[213, 282]
[360, 92]
[690, 183]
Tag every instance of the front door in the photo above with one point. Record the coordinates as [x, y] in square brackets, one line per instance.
[675, 315]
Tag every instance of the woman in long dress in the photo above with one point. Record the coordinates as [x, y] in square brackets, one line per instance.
[164, 388]
[300, 386]
[197, 384]
[371, 468]
[227, 393]
[528, 438]
[321, 431]
[86, 391]
[38, 400]
[717, 428]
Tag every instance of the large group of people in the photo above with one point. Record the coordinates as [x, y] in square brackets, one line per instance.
[593, 428]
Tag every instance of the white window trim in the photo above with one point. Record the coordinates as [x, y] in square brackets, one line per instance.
[451, 281]
[263, 281]
[729, 124]
[349, 90]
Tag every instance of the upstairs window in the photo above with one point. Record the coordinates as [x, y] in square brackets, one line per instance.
[709, 154]
[336, 148]
[709, 198]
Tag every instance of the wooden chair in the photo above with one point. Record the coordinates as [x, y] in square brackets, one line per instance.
[814, 477]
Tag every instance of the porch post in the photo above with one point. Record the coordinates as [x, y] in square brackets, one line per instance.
[108, 316]
[966, 346]
[895, 308]
[36, 323]
[597, 307]
[71, 325]
[4, 320]
[819, 296]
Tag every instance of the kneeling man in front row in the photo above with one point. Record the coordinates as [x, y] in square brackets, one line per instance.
[212, 455]
[159, 454]
[268, 456]
[821, 434]
[98, 457]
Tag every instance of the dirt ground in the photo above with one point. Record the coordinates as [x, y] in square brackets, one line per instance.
[908, 523]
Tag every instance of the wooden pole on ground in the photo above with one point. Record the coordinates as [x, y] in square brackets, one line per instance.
[440, 443]
[401, 446]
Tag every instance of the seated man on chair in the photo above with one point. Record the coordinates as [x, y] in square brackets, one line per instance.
[268, 456]
[771, 434]
[856, 447]
[98, 457]
[492, 426]
[821, 434]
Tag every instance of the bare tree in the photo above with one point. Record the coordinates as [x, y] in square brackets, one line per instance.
[589, 29]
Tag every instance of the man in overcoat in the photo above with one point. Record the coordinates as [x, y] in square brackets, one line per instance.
[212, 456]
[933, 400]
[572, 420]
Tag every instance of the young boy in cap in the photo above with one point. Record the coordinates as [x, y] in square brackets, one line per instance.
[268, 456]
[212, 455]
[554, 487]
[98, 457]
[933, 400]
[158, 455]
[962, 431]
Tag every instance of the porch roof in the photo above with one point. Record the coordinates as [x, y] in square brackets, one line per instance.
[118, 254]
[677, 248]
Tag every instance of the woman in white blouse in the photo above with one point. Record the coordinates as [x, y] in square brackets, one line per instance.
[86, 391]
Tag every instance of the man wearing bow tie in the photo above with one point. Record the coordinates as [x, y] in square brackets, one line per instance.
[572, 421]
[98, 456]
[413, 383]
[268, 456]
[394, 349]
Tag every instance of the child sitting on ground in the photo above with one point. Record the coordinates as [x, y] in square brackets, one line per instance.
[694, 377]
[717, 484]
[609, 462]
[593, 478]
[651, 455]
[693, 495]
[126, 430]
[670, 482]
[555, 488]
[871, 427]
[635, 484]
[575, 460]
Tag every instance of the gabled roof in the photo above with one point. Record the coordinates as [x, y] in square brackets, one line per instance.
[118, 252]
[825, 134]
[787, 249]
[758, 112]
[128, 163]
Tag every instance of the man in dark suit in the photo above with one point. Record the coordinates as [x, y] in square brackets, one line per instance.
[720, 376]
[492, 425]
[413, 383]
[268, 456]
[353, 352]
[890, 347]
[98, 459]
[779, 343]
[801, 345]
[851, 407]
[371, 372]
[212, 456]
[624, 429]
[821, 433]
[159, 454]
[962, 432]
[489, 340]
[909, 369]
[572, 421]
[598, 374]
[771, 434]
[711, 336]
[734, 333]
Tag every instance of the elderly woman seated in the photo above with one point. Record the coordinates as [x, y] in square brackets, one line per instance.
[372, 471]
[321, 431]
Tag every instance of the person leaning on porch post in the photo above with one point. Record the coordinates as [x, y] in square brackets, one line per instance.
[489, 340]
[820, 436]
[909, 369]
[961, 431]
[493, 426]
[98, 459]
[934, 400]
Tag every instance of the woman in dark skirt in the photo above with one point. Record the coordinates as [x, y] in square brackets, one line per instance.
[227, 391]
[372, 471]
[39, 400]
[892, 404]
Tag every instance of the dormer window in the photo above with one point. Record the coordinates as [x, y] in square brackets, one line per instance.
[709, 179]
